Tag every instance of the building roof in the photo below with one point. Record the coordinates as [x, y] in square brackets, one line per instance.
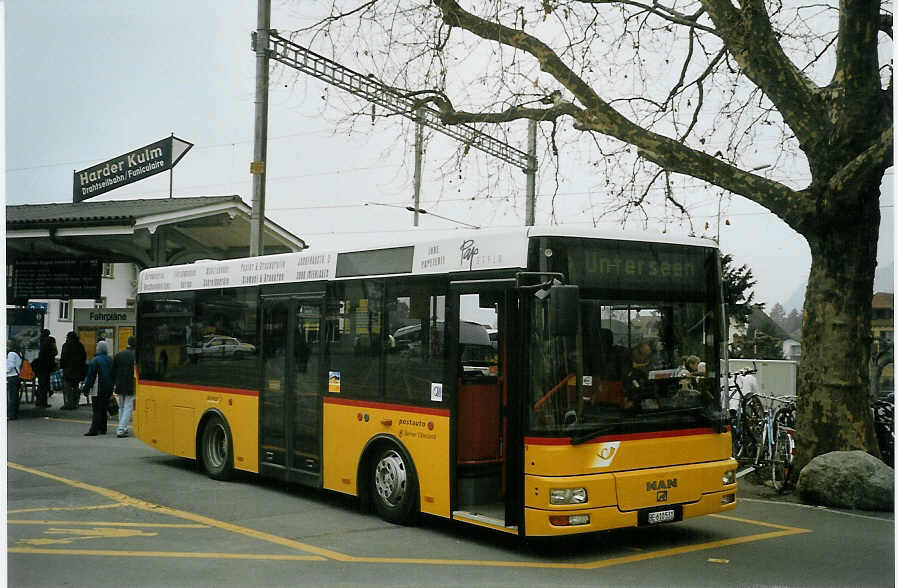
[149, 232]
[884, 300]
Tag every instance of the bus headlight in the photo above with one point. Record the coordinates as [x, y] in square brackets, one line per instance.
[729, 477]
[567, 496]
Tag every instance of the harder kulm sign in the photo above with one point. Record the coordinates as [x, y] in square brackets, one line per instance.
[128, 168]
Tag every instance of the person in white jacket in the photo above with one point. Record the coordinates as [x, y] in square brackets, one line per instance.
[13, 369]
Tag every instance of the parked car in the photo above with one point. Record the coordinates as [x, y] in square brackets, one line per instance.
[220, 346]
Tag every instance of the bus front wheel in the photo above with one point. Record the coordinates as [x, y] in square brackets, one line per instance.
[216, 446]
[394, 486]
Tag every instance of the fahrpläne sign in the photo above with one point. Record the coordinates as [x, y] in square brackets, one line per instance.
[128, 168]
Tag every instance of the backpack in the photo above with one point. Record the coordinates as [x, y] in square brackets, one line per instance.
[26, 373]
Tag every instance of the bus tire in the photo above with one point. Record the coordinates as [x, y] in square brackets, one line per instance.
[217, 448]
[394, 486]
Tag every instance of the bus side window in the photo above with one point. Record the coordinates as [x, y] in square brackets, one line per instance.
[358, 354]
[416, 327]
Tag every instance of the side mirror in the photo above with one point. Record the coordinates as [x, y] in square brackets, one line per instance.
[564, 306]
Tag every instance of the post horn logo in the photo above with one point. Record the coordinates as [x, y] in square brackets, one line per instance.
[604, 454]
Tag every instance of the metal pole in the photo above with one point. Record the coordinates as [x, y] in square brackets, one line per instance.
[171, 170]
[530, 213]
[257, 167]
[419, 155]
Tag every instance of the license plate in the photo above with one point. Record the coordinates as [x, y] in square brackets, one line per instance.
[661, 516]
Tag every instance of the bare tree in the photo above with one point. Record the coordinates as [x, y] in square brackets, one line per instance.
[787, 104]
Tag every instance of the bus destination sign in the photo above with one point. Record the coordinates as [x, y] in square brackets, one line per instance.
[634, 265]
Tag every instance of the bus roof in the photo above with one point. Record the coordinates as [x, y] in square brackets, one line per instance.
[416, 252]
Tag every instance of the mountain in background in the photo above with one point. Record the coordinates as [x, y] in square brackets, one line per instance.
[883, 281]
[796, 300]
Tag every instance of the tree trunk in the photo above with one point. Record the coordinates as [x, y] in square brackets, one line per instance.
[833, 402]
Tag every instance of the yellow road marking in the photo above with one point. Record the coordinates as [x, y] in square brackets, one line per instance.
[95, 533]
[605, 563]
[108, 524]
[754, 522]
[782, 531]
[159, 509]
[174, 554]
[97, 507]
[718, 560]
[80, 422]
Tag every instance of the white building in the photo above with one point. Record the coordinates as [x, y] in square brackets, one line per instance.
[792, 349]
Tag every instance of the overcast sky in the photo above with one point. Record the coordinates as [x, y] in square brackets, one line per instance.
[89, 80]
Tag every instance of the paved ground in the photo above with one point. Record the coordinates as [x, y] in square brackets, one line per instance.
[101, 511]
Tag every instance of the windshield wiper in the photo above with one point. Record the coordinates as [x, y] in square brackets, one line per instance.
[593, 433]
[699, 410]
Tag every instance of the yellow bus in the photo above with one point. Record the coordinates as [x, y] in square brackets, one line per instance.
[531, 381]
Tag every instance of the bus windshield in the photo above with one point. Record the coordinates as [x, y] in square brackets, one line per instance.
[633, 366]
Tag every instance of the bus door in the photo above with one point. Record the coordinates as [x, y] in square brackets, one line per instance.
[478, 351]
[290, 419]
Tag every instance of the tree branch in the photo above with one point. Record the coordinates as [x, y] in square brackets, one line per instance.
[450, 116]
[667, 13]
[874, 160]
[337, 17]
[750, 38]
[599, 116]
[857, 59]
[548, 60]
[674, 157]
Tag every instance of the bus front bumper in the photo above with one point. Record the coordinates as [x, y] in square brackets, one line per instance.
[541, 522]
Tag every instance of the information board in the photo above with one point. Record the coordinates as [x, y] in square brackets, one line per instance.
[55, 279]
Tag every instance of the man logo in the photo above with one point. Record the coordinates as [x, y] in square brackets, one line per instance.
[660, 484]
[662, 496]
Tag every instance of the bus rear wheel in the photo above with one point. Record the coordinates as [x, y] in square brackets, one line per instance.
[217, 449]
[394, 487]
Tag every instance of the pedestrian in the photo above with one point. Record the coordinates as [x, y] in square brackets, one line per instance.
[100, 370]
[123, 368]
[13, 369]
[43, 366]
[73, 361]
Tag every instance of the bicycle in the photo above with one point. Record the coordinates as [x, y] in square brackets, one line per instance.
[746, 419]
[784, 443]
[776, 448]
[883, 424]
